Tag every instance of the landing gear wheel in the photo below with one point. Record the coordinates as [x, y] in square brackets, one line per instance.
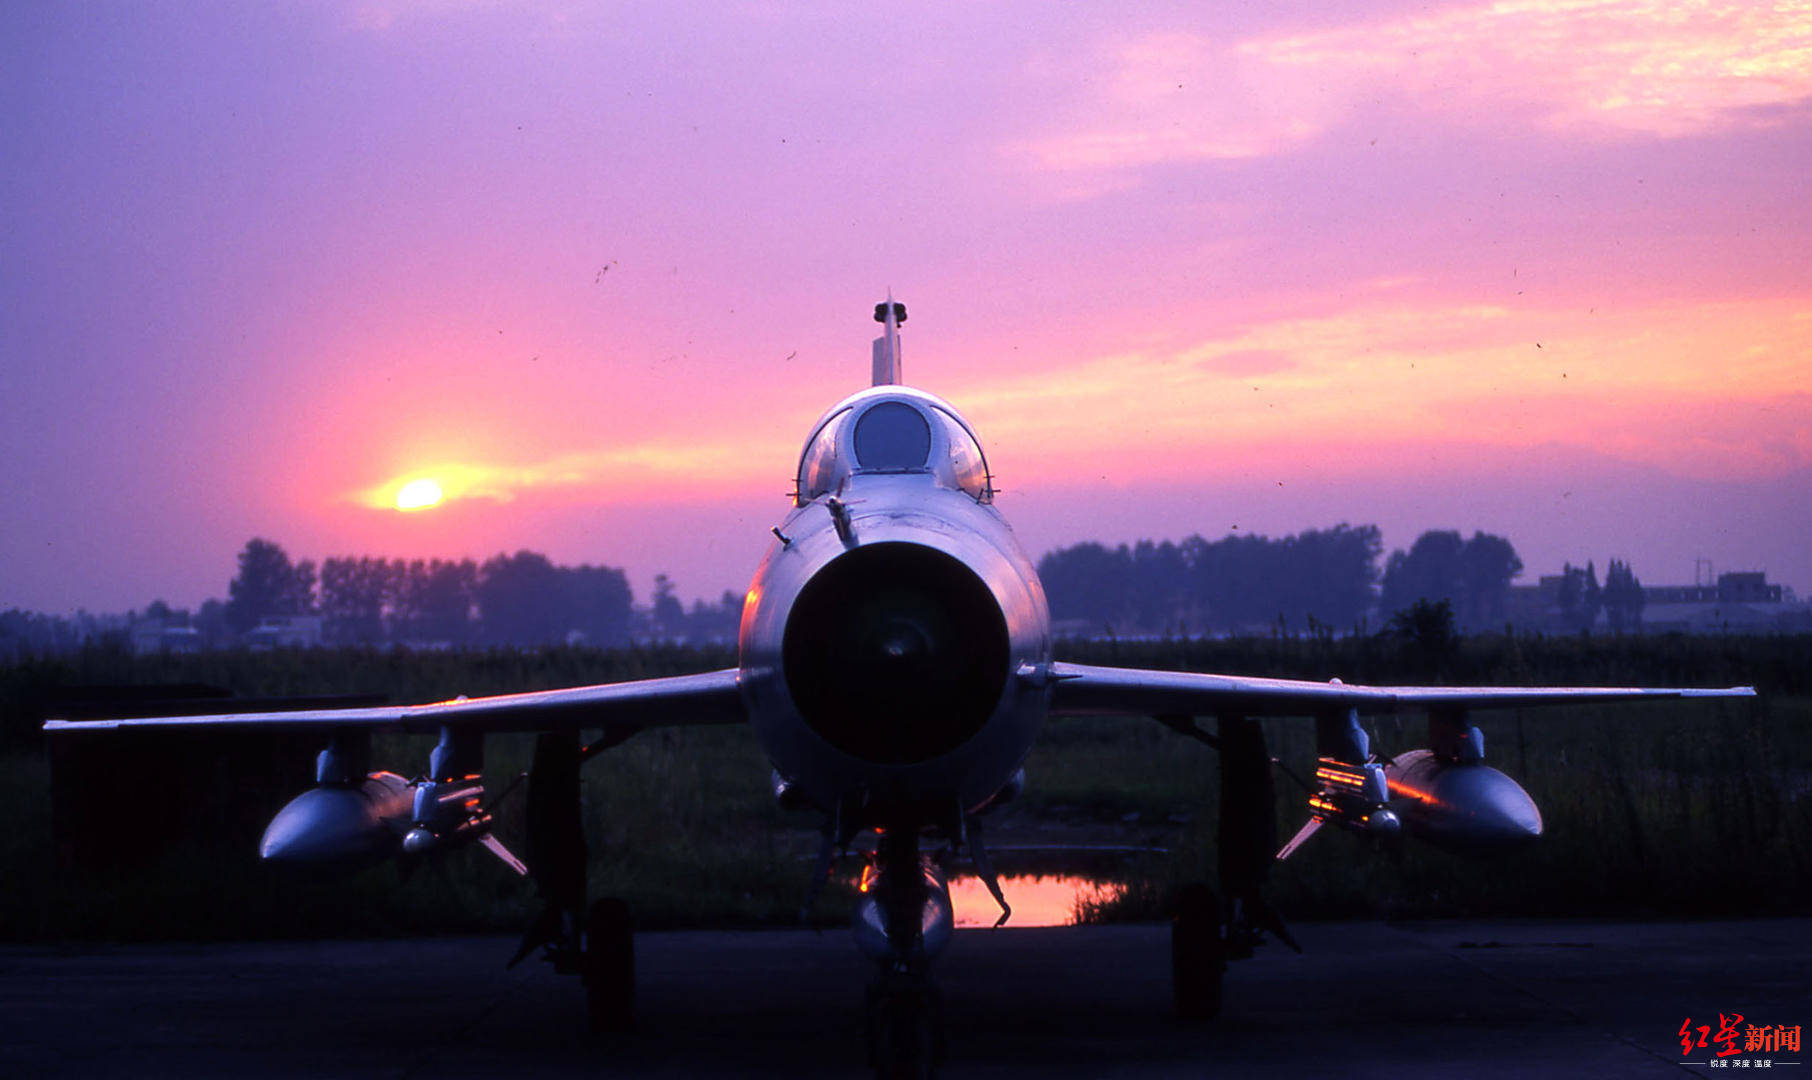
[1198, 955]
[905, 1028]
[609, 966]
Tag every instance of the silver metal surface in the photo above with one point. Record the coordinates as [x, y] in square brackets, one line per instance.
[709, 698]
[340, 824]
[1087, 689]
[1470, 809]
[935, 916]
[922, 509]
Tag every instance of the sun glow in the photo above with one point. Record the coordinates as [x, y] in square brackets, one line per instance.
[600, 475]
[419, 494]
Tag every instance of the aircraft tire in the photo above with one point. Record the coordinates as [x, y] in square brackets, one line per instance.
[1198, 955]
[609, 966]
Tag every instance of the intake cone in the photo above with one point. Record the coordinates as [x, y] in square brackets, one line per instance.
[895, 653]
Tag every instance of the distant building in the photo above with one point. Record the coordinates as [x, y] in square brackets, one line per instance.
[1535, 607]
[1747, 587]
[286, 632]
[1742, 602]
[153, 637]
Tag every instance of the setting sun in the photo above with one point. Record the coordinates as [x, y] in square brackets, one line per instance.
[418, 494]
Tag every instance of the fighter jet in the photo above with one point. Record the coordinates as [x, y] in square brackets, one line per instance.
[895, 662]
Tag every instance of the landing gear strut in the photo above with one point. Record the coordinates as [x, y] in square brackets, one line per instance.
[1207, 930]
[595, 943]
[902, 920]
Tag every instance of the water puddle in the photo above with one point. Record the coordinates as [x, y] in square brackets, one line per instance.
[1037, 899]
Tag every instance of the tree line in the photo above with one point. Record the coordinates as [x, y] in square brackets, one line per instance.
[523, 599]
[1322, 576]
[1582, 598]
[1327, 578]
[1316, 579]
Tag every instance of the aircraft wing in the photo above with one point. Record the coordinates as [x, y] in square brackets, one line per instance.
[1083, 689]
[709, 698]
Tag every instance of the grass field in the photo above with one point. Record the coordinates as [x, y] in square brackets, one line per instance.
[1696, 808]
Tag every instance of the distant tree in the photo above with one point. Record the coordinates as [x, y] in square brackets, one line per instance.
[1088, 581]
[1473, 576]
[24, 633]
[1427, 633]
[1232, 580]
[1432, 569]
[598, 603]
[354, 595]
[1489, 564]
[1320, 575]
[434, 600]
[268, 584]
[1580, 597]
[1331, 574]
[1571, 582]
[666, 615]
[211, 622]
[1158, 585]
[1622, 597]
[303, 597]
[520, 601]
[717, 622]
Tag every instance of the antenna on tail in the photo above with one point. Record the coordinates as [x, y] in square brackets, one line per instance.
[887, 346]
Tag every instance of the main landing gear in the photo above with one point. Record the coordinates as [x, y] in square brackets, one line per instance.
[1208, 930]
[597, 943]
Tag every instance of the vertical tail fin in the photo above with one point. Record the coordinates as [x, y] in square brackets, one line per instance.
[887, 346]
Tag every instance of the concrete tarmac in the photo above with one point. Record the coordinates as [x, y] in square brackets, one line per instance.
[1367, 999]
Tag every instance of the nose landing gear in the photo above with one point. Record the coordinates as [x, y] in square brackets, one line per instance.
[903, 919]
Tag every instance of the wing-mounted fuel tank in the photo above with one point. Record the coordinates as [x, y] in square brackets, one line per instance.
[884, 632]
[352, 818]
[1448, 797]
[1445, 795]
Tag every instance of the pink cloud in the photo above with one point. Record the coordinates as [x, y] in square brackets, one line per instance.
[1713, 389]
[1591, 67]
[1635, 66]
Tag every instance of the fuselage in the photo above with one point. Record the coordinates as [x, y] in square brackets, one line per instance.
[892, 637]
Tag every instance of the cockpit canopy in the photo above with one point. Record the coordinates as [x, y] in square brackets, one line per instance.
[892, 429]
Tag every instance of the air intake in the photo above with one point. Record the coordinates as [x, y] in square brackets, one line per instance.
[895, 653]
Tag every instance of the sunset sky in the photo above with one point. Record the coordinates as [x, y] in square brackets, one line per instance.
[1537, 267]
